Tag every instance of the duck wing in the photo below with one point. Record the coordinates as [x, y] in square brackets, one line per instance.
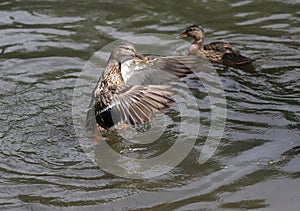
[133, 105]
[160, 70]
[222, 47]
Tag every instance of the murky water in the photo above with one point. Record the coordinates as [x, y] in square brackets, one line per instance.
[45, 45]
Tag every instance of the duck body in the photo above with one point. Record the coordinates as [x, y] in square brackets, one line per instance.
[132, 88]
[215, 52]
[104, 92]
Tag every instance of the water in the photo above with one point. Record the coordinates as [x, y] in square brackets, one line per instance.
[44, 47]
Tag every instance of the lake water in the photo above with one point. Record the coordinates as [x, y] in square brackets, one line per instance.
[44, 165]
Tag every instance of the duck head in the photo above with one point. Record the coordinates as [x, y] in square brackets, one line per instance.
[123, 51]
[195, 32]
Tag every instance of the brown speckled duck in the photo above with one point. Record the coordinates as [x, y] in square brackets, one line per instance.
[133, 88]
[216, 52]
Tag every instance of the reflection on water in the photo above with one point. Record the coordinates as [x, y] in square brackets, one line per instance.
[43, 48]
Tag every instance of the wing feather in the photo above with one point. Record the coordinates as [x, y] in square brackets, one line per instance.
[222, 47]
[135, 104]
[159, 70]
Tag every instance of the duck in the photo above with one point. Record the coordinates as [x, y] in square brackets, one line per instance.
[215, 52]
[133, 89]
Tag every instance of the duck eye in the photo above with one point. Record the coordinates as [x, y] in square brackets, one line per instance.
[126, 48]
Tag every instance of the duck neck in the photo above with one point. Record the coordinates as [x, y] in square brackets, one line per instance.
[199, 40]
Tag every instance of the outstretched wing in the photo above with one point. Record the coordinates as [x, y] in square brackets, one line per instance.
[134, 105]
[159, 70]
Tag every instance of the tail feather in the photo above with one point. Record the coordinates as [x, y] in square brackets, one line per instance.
[235, 59]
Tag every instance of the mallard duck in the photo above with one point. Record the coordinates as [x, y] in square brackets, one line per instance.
[216, 52]
[132, 88]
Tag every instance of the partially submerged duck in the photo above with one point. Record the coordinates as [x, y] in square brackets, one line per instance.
[216, 52]
[133, 89]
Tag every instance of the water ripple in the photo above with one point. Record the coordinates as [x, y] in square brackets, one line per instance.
[43, 48]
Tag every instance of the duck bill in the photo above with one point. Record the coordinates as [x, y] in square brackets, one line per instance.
[183, 35]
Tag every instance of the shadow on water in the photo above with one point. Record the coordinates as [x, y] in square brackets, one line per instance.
[43, 49]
